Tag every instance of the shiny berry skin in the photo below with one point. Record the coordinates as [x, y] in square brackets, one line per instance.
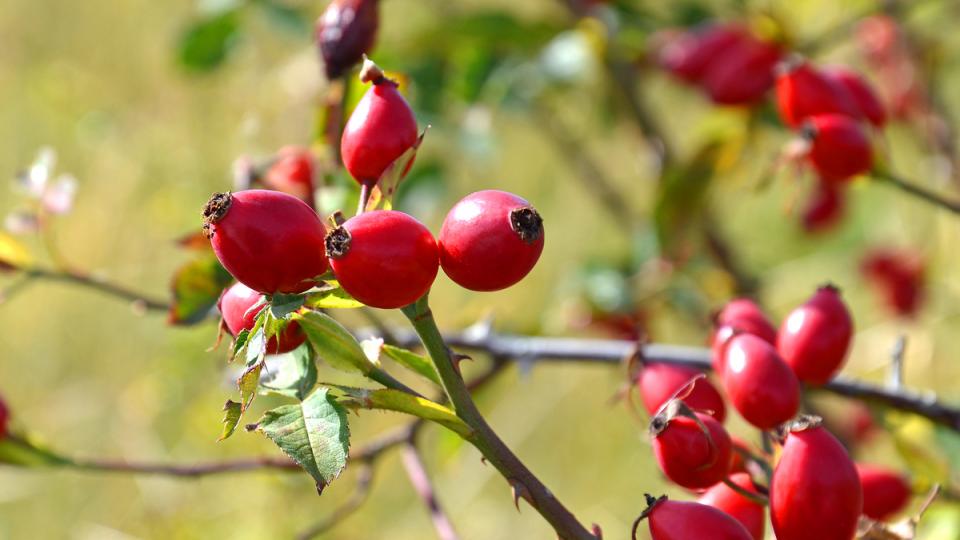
[689, 54]
[885, 492]
[825, 208]
[490, 240]
[839, 147]
[898, 275]
[385, 259]
[866, 99]
[682, 520]
[380, 129]
[759, 384]
[815, 337]
[740, 315]
[750, 514]
[4, 419]
[270, 241]
[659, 382]
[815, 492]
[346, 31]
[743, 74]
[234, 306]
[686, 456]
[292, 173]
[803, 91]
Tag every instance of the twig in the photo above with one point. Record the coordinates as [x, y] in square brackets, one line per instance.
[917, 191]
[112, 289]
[895, 382]
[417, 473]
[359, 496]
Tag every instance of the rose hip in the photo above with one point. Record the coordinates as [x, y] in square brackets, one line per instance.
[885, 492]
[659, 382]
[815, 337]
[750, 514]
[759, 384]
[686, 454]
[235, 306]
[681, 520]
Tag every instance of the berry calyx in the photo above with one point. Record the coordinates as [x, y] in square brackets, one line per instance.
[345, 32]
[292, 173]
[692, 449]
[270, 241]
[815, 337]
[385, 259]
[235, 307]
[659, 383]
[759, 384]
[803, 92]
[682, 520]
[839, 148]
[815, 491]
[490, 240]
[750, 514]
[885, 492]
[381, 128]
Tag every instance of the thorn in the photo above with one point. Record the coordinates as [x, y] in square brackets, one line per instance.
[483, 460]
[519, 490]
[251, 427]
[597, 532]
[481, 330]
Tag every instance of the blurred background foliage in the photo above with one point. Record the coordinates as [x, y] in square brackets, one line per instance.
[149, 103]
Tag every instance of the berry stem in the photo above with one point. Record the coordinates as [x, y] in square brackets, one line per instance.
[755, 497]
[366, 187]
[485, 439]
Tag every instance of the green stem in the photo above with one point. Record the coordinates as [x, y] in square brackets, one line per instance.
[384, 378]
[524, 483]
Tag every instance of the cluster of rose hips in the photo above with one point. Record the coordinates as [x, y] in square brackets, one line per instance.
[898, 275]
[815, 490]
[273, 242]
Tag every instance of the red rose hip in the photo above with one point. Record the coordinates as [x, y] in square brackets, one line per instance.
[750, 514]
[815, 337]
[743, 74]
[803, 91]
[825, 208]
[235, 306]
[839, 147]
[385, 259]
[866, 99]
[659, 382]
[685, 453]
[270, 241]
[815, 492]
[885, 492]
[759, 384]
[4, 419]
[345, 32]
[381, 128]
[292, 173]
[740, 315]
[490, 240]
[681, 520]
[690, 54]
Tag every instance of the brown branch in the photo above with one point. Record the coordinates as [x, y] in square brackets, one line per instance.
[923, 194]
[359, 496]
[420, 480]
[138, 299]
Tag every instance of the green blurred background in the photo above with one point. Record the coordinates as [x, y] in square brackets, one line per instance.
[149, 139]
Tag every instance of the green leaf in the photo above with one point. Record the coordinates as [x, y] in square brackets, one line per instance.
[247, 383]
[23, 452]
[206, 43]
[293, 374]
[314, 433]
[394, 400]
[333, 343]
[282, 305]
[332, 298]
[415, 362]
[232, 411]
[196, 288]
[13, 255]
[381, 196]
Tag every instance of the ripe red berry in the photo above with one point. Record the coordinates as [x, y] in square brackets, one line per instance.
[825, 208]
[866, 99]
[490, 240]
[885, 492]
[740, 315]
[839, 148]
[345, 32]
[898, 275]
[750, 514]
[385, 259]
[815, 492]
[815, 337]
[270, 241]
[759, 384]
[292, 173]
[681, 520]
[689, 54]
[4, 419]
[380, 129]
[741, 448]
[803, 91]
[685, 453]
[743, 74]
[235, 306]
[659, 382]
